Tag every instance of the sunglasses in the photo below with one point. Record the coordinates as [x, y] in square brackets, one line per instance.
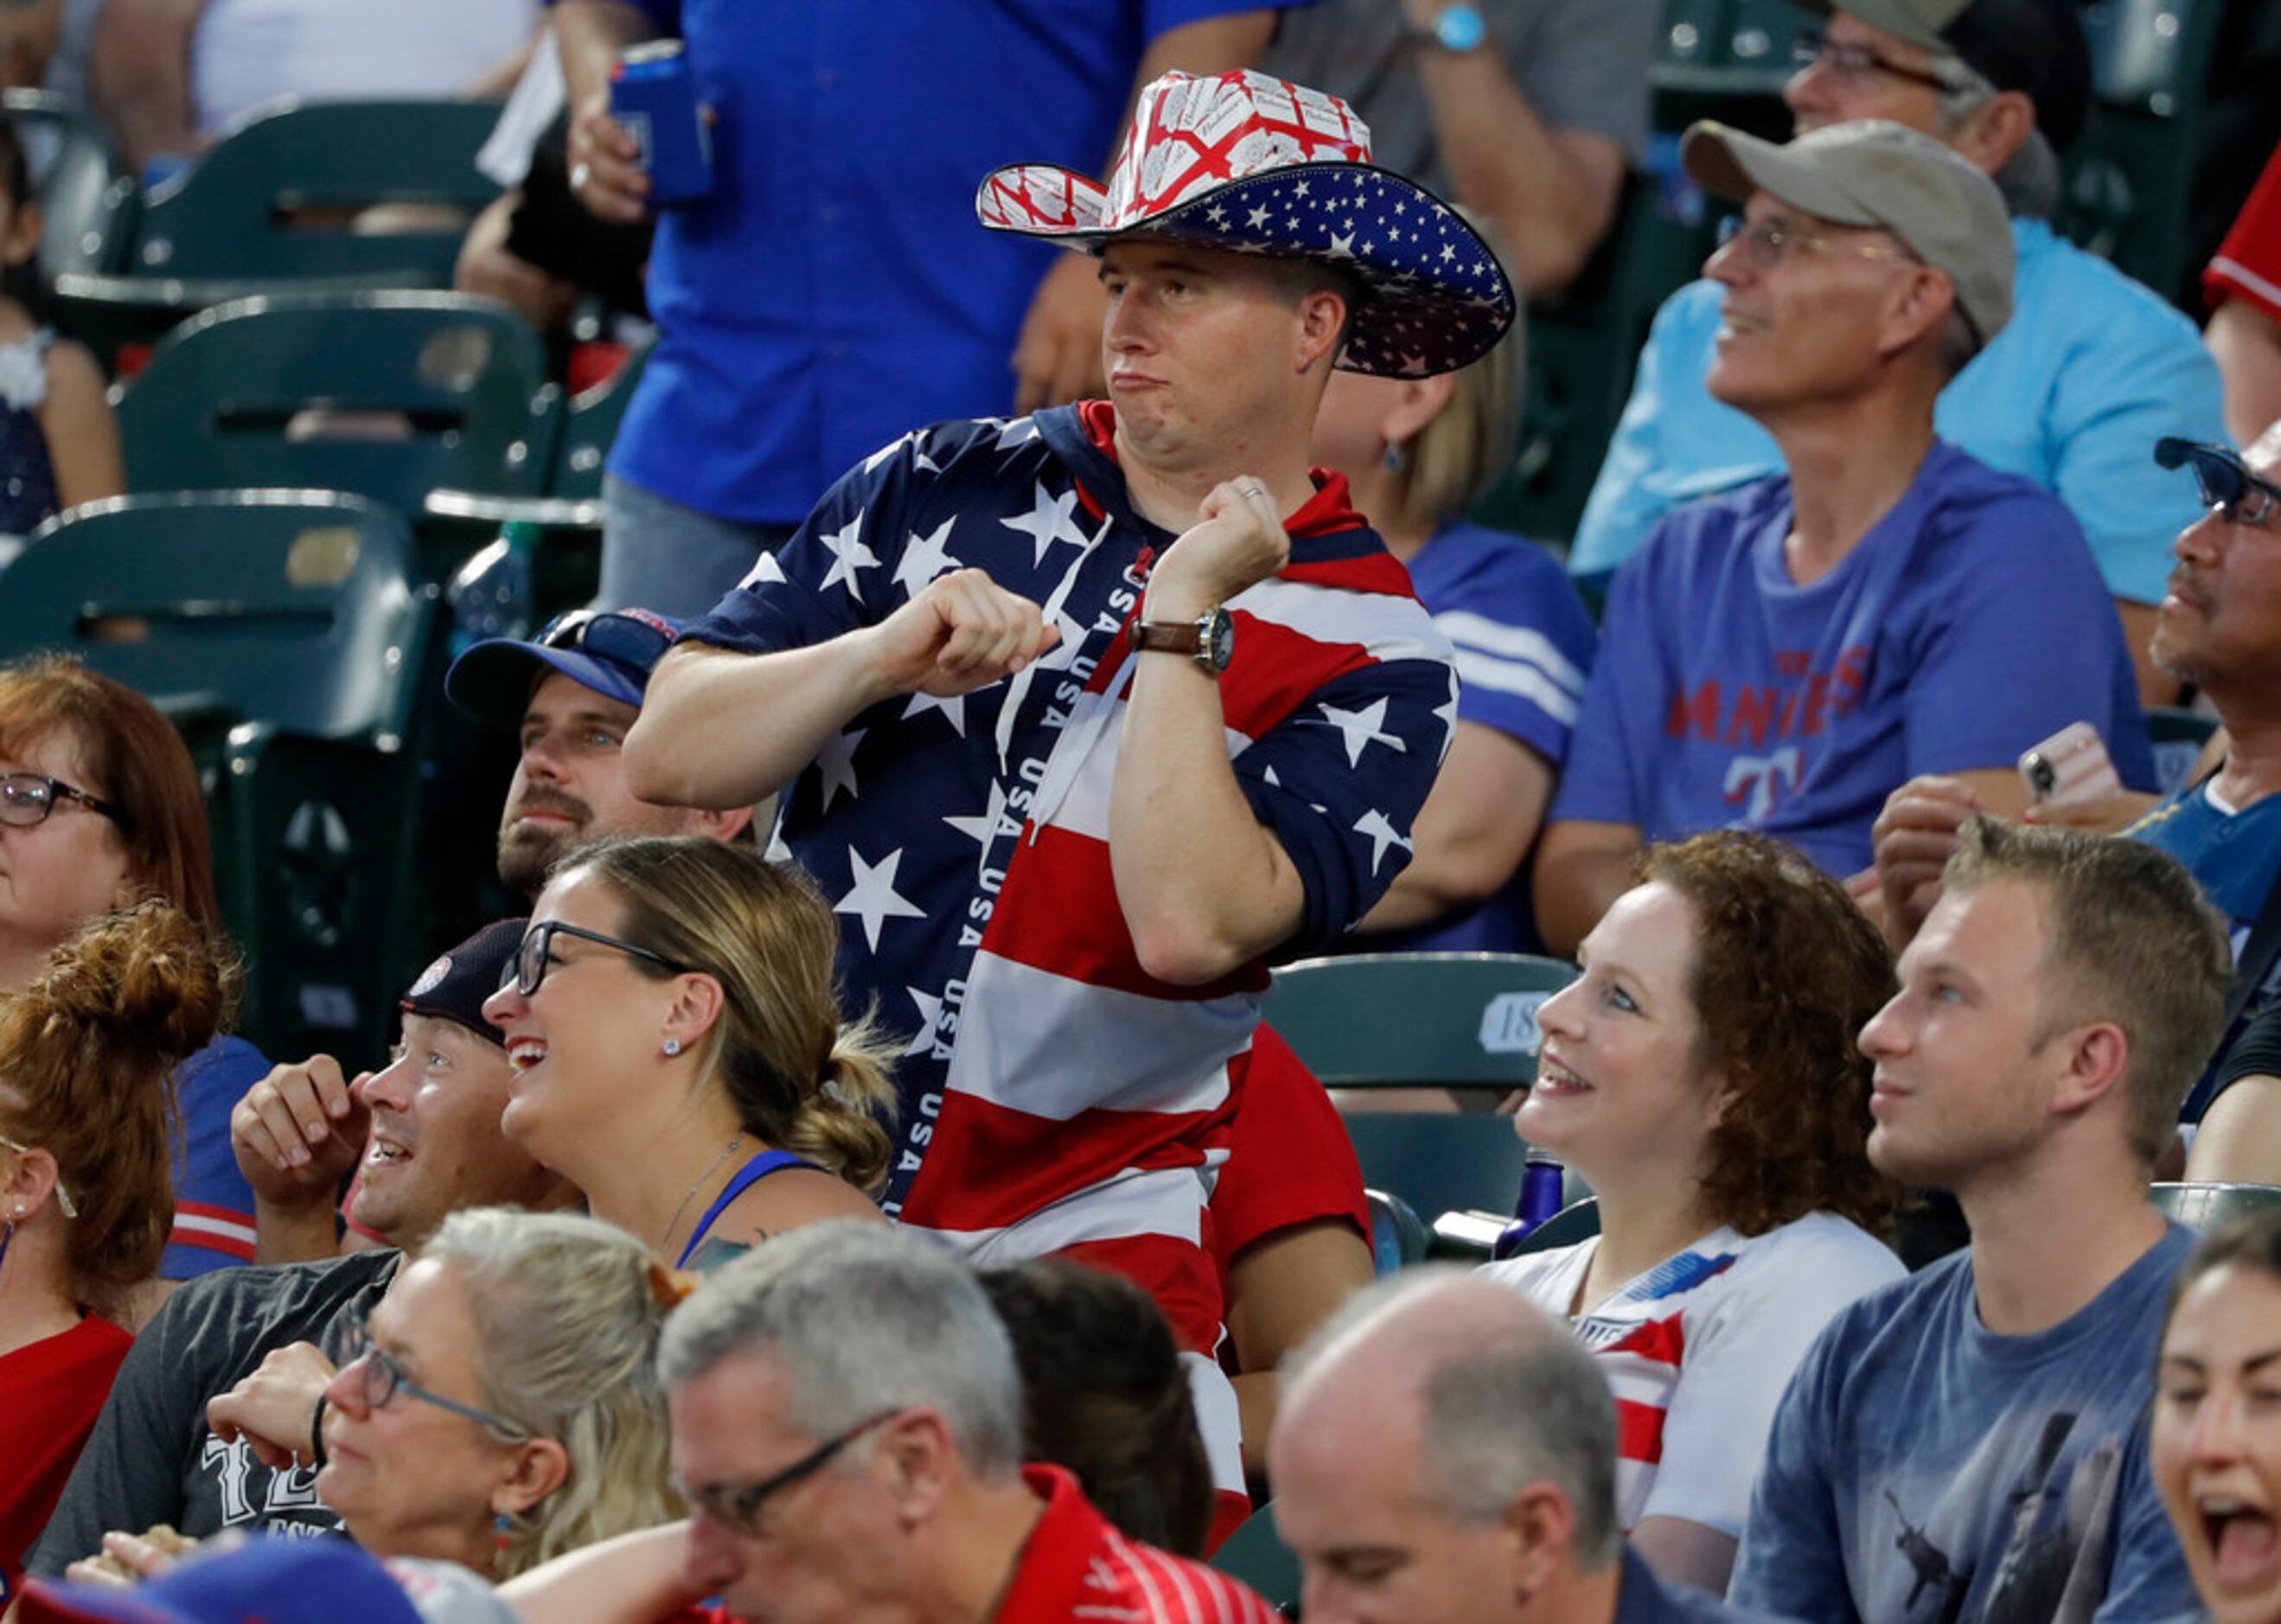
[628, 637]
[2228, 488]
[737, 1507]
[525, 971]
[26, 798]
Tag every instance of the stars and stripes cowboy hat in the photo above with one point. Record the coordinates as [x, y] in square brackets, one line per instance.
[1257, 165]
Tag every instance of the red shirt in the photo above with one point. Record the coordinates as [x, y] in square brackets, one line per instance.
[2248, 262]
[1077, 1567]
[50, 1395]
[1289, 1160]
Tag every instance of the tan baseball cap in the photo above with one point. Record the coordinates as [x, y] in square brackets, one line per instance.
[1874, 174]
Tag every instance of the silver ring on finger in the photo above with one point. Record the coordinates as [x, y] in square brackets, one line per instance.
[579, 175]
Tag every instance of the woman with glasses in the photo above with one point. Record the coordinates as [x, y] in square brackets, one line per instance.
[86, 1185]
[679, 1052]
[500, 1409]
[100, 806]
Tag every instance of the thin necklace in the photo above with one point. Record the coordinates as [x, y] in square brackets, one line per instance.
[690, 1193]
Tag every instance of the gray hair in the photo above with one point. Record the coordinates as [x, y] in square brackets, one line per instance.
[566, 1325]
[2029, 178]
[1503, 1405]
[865, 1318]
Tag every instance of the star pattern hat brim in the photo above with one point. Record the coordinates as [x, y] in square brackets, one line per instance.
[1253, 165]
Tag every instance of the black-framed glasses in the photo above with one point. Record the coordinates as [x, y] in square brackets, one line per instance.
[26, 798]
[384, 1378]
[737, 1506]
[525, 971]
[1765, 242]
[2229, 489]
[1812, 46]
[627, 636]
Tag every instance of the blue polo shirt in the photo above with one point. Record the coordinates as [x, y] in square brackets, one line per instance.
[834, 289]
[2091, 370]
[1967, 624]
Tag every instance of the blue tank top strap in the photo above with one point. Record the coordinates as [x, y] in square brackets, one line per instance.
[762, 1163]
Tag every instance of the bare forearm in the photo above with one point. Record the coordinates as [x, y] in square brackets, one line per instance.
[1550, 193]
[632, 1579]
[2246, 342]
[590, 33]
[139, 75]
[720, 730]
[1204, 887]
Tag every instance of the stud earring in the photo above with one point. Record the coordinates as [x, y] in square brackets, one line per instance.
[672, 1045]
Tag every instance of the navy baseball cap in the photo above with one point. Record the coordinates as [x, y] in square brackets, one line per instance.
[612, 652]
[454, 986]
[266, 1581]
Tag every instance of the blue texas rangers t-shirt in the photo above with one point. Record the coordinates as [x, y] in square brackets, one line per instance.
[1969, 624]
[1924, 1470]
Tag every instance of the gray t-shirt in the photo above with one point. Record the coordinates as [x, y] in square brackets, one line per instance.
[151, 1459]
[1924, 1468]
[1581, 64]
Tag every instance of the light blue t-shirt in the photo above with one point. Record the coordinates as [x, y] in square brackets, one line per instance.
[1922, 1468]
[1968, 625]
[2092, 369]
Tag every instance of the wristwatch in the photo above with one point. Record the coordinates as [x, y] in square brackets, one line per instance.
[1458, 30]
[1209, 639]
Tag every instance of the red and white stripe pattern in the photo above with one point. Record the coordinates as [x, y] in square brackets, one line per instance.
[217, 1229]
[1077, 1567]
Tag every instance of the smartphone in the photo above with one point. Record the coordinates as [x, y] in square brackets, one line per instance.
[2070, 766]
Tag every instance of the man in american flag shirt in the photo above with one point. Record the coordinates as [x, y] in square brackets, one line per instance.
[1084, 714]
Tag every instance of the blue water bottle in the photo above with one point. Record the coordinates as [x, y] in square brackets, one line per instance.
[1543, 1184]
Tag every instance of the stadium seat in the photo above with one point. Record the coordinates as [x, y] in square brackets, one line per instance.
[386, 395]
[1256, 1554]
[1578, 1221]
[1439, 1162]
[2179, 736]
[87, 201]
[2204, 1207]
[2128, 178]
[1398, 1236]
[282, 633]
[1472, 1236]
[1416, 1020]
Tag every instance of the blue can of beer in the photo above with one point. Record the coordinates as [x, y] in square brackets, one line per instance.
[1543, 1183]
[654, 96]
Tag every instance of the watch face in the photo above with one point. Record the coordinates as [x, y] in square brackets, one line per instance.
[1219, 640]
[1460, 28]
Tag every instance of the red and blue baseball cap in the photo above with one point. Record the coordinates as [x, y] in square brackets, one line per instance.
[454, 988]
[265, 1581]
[613, 653]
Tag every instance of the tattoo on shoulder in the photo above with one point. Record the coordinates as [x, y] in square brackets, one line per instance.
[720, 1249]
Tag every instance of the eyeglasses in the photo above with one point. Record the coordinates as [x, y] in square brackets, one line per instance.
[626, 637]
[26, 798]
[1813, 48]
[1765, 242]
[2229, 489]
[384, 1378]
[737, 1507]
[526, 972]
[63, 1195]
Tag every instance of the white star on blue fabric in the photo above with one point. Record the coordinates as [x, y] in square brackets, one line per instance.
[982, 829]
[871, 463]
[765, 567]
[1447, 716]
[954, 708]
[1257, 219]
[873, 899]
[1047, 522]
[848, 555]
[930, 1015]
[1382, 834]
[835, 765]
[1361, 728]
[1020, 431]
[925, 557]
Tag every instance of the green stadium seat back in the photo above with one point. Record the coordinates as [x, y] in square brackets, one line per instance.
[1416, 1020]
[458, 384]
[2205, 1207]
[230, 214]
[87, 202]
[1398, 1236]
[1256, 1554]
[1439, 1162]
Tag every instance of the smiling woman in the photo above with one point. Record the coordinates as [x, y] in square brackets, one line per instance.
[2216, 1429]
